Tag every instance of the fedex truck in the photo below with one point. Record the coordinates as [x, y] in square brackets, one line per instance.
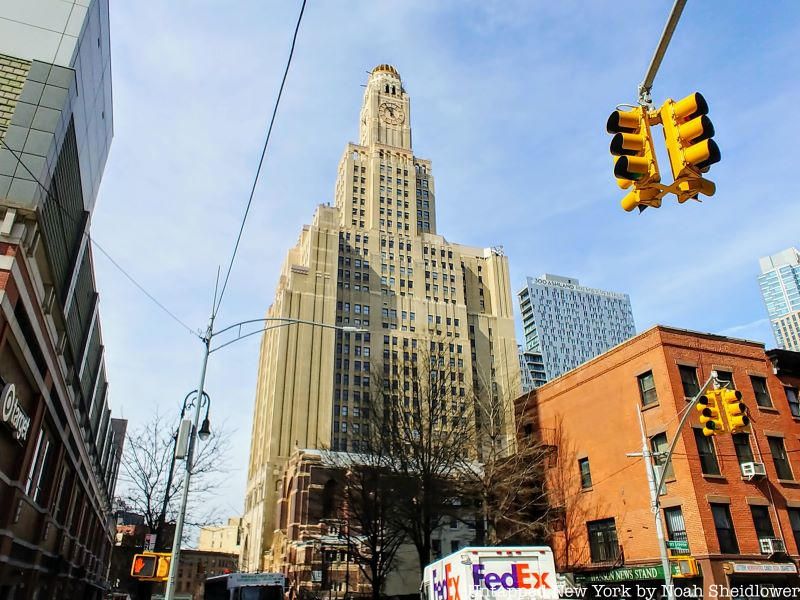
[501, 573]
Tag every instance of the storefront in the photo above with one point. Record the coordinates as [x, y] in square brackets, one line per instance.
[640, 581]
[751, 581]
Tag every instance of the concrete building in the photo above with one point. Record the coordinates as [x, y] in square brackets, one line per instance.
[733, 500]
[569, 324]
[59, 448]
[780, 288]
[222, 538]
[374, 260]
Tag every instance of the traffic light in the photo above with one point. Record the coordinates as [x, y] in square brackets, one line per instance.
[635, 165]
[144, 566]
[151, 566]
[735, 411]
[708, 408]
[688, 132]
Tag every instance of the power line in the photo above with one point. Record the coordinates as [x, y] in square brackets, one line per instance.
[96, 245]
[261, 160]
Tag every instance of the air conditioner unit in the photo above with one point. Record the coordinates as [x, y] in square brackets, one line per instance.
[771, 545]
[753, 470]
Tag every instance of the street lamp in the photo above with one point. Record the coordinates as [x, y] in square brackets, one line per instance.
[205, 430]
[159, 545]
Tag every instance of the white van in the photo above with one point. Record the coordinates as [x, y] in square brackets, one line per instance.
[492, 573]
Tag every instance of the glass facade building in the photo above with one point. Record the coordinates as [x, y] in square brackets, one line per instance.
[59, 459]
[780, 287]
[568, 324]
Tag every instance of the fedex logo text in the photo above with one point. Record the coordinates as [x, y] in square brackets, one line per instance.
[447, 588]
[519, 577]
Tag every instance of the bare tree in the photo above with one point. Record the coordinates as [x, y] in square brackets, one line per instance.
[421, 428]
[508, 481]
[369, 509]
[569, 507]
[149, 490]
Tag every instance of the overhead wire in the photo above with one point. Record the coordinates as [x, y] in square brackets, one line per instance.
[102, 250]
[260, 162]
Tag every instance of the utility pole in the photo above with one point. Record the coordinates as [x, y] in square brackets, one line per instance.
[655, 481]
[658, 55]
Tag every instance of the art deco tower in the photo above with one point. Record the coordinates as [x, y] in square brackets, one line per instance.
[372, 261]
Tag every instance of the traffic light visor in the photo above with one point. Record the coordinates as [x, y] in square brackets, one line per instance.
[696, 130]
[703, 155]
[690, 107]
[623, 120]
[631, 167]
[627, 144]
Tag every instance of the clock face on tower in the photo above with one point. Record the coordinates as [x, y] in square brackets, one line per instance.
[391, 113]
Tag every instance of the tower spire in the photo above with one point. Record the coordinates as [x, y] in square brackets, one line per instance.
[385, 117]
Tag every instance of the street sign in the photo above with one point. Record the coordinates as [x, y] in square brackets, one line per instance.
[677, 545]
[150, 542]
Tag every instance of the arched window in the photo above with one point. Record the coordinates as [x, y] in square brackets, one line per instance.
[392, 90]
[387, 88]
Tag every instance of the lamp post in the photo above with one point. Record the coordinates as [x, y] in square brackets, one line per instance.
[207, 339]
[160, 541]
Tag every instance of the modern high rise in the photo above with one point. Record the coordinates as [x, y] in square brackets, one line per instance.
[531, 367]
[569, 324]
[372, 260]
[780, 287]
[59, 446]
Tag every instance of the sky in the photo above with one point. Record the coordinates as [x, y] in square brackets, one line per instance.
[509, 100]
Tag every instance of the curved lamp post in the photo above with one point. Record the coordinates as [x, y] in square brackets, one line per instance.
[205, 430]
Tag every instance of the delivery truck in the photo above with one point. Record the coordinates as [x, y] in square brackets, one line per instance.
[500, 573]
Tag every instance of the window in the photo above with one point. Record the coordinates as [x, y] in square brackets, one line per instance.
[794, 519]
[647, 388]
[761, 391]
[676, 528]
[603, 545]
[689, 381]
[586, 473]
[725, 377]
[726, 535]
[707, 452]
[659, 444]
[762, 522]
[741, 442]
[38, 481]
[794, 402]
[779, 458]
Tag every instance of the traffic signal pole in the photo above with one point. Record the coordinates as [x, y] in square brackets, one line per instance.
[658, 55]
[655, 481]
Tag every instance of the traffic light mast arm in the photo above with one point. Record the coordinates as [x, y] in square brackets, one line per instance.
[661, 477]
[658, 55]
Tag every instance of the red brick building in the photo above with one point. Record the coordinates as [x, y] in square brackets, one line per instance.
[734, 499]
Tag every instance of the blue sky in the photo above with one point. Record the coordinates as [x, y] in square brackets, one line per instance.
[509, 101]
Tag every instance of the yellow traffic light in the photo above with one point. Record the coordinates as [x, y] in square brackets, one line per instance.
[151, 566]
[162, 572]
[710, 419]
[735, 411]
[688, 132]
[635, 164]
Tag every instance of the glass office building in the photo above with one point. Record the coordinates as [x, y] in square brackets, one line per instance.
[780, 288]
[568, 324]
